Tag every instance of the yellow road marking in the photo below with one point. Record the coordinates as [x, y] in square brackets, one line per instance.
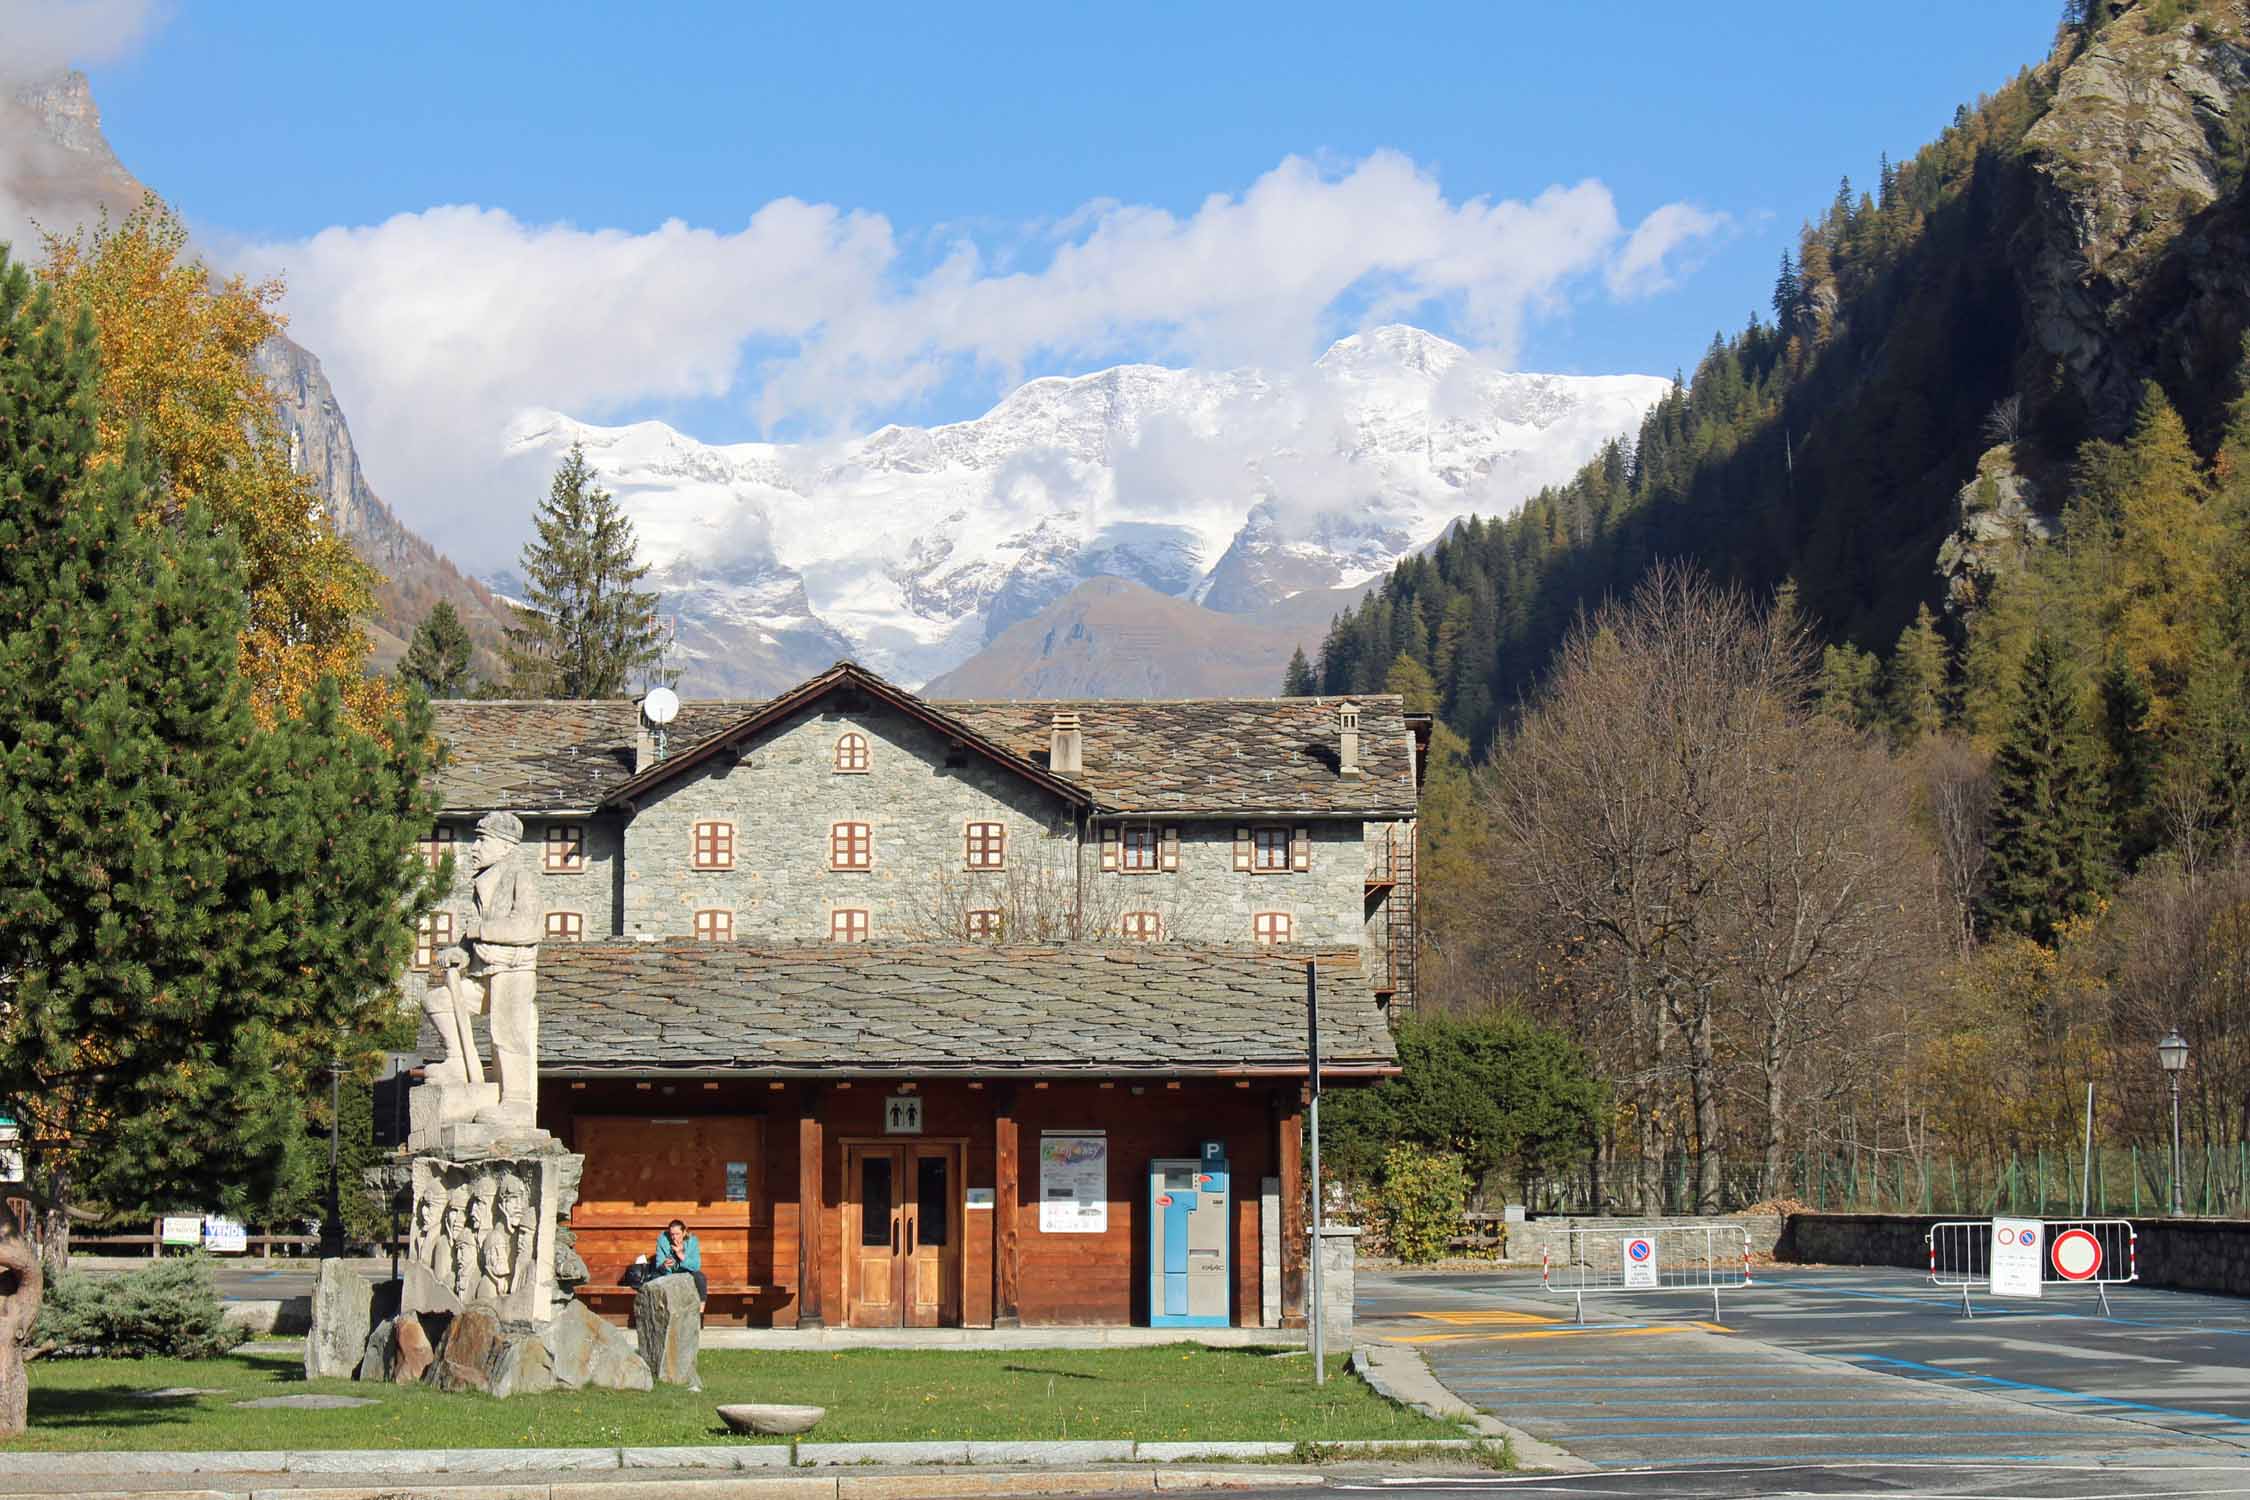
[1556, 1333]
[1482, 1317]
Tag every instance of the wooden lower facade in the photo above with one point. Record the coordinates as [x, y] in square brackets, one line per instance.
[810, 1214]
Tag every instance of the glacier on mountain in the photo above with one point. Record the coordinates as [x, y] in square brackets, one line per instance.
[910, 548]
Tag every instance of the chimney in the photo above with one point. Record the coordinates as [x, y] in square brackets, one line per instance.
[1066, 751]
[1347, 755]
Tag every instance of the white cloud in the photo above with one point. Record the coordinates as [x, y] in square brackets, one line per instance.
[1649, 263]
[43, 37]
[438, 327]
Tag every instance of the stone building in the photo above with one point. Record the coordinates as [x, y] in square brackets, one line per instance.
[841, 978]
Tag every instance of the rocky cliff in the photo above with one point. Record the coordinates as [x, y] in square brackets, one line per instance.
[57, 172]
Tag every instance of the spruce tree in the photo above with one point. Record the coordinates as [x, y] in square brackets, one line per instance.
[2131, 758]
[195, 913]
[437, 659]
[1297, 680]
[2050, 843]
[588, 633]
[1847, 686]
[1915, 685]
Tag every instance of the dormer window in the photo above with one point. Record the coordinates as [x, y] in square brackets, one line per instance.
[851, 753]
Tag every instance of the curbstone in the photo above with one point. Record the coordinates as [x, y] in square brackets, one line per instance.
[128, 1495]
[1165, 1453]
[394, 1492]
[882, 1453]
[745, 1487]
[1235, 1479]
[716, 1456]
[939, 1486]
[49, 1465]
[1090, 1451]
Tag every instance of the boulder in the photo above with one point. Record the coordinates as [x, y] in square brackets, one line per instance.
[464, 1360]
[342, 1315]
[523, 1366]
[375, 1363]
[588, 1353]
[669, 1314]
[411, 1355]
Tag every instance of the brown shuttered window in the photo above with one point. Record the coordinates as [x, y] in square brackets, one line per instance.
[1270, 850]
[437, 846]
[987, 846]
[1140, 927]
[714, 846]
[850, 846]
[1137, 854]
[1272, 927]
[565, 849]
[566, 927]
[851, 753]
[1300, 849]
[986, 925]
[1242, 848]
[1109, 850]
[847, 925]
[713, 926]
[1169, 859]
[433, 933]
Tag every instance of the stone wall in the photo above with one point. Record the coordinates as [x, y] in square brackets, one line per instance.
[1207, 900]
[2202, 1255]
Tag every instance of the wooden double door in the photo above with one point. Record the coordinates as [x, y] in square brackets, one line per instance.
[902, 1234]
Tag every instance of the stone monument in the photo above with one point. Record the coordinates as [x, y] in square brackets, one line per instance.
[492, 1191]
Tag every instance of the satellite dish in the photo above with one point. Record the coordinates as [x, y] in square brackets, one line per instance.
[660, 706]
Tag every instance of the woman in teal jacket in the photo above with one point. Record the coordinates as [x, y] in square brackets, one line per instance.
[677, 1253]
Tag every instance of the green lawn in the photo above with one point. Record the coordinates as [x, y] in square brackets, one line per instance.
[1176, 1392]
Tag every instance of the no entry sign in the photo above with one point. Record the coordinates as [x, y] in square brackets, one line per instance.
[2076, 1255]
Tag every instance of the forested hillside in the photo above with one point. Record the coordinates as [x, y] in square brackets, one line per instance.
[1864, 749]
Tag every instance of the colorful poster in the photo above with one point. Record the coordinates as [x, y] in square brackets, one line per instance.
[738, 1182]
[1074, 1183]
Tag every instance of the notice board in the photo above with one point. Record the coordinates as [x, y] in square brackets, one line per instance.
[1074, 1182]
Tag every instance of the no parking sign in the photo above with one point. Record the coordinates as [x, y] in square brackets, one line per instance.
[2018, 1257]
[1640, 1260]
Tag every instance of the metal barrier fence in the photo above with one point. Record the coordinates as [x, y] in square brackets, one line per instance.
[2100, 1253]
[1612, 1260]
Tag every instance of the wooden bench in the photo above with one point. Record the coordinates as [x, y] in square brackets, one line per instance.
[614, 1300]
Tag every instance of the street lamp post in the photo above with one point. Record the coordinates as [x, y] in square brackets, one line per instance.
[2172, 1052]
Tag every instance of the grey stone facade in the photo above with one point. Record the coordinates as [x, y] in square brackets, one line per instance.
[780, 792]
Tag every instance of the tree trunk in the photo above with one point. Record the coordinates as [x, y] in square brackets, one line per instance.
[1770, 1066]
[20, 1288]
[1703, 1089]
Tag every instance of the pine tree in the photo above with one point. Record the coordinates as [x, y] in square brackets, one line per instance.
[1297, 681]
[588, 633]
[195, 913]
[2050, 844]
[1847, 686]
[1412, 682]
[2165, 580]
[2131, 757]
[437, 659]
[1915, 684]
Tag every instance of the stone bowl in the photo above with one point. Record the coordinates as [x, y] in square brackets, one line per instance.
[771, 1420]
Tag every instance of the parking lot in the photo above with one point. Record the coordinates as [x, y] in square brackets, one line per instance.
[1839, 1367]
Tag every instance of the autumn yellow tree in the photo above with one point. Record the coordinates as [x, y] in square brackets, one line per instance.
[176, 343]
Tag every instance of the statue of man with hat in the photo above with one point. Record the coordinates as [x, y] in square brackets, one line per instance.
[497, 977]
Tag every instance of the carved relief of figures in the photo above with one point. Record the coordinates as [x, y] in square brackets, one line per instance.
[494, 976]
[477, 1231]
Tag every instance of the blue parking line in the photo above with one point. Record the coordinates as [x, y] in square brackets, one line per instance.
[1993, 1310]
[1942, 1373]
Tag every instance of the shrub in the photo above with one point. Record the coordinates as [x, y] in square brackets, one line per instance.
[169, 1308]
[1418, 1207]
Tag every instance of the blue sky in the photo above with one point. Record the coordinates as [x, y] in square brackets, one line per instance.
[990, 192]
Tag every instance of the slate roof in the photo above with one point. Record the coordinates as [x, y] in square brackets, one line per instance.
[1221, 756]
[930, 1009]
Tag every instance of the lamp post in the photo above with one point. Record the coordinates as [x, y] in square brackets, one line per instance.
[2172, 1052]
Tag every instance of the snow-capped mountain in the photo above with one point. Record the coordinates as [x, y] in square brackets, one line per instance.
[910, 548]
